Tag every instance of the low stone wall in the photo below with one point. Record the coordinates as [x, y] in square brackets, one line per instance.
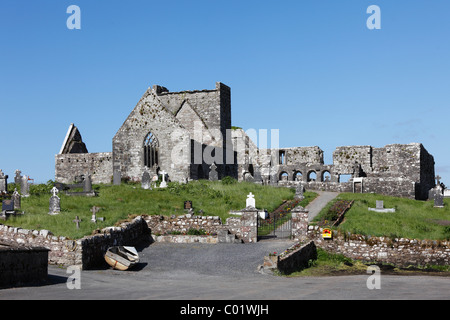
[86, 252]
[399, 251]
[163, 225]
[63, 251]
[185, 239]
[22, 265]
[293, 259]
[243, 228]
[127, 234]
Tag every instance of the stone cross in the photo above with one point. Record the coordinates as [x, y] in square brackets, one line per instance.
[163, 183]
[250, 200]
[77, 221]
[438, 178]
[54, 191]
[94, 211]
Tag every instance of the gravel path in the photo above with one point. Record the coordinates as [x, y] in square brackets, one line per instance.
[319, 203]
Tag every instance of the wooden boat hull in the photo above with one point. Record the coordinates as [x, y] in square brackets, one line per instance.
[121, 258]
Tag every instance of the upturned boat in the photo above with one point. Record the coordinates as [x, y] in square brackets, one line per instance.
[121, 257]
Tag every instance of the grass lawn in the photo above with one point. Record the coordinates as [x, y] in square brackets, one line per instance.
[120, 202]
[412, 219]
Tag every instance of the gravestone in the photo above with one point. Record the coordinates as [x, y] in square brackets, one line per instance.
[94, 211]
[213, 175]
[117, 177]
[16, 197]
[17, 177]
[24, 187]
[87, 183]
[299, 192]
[146, 181]
[163, 182]
[8, 206]
[250, 202]
[379, 207]
[438, 197]
[379, 204]
[77, 221]
[3, 182]
[187, 205]
[55, 203]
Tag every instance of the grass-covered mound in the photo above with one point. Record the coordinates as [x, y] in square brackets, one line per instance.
[412, 219]
[119, 202]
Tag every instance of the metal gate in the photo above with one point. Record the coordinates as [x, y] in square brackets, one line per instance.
[276, 226]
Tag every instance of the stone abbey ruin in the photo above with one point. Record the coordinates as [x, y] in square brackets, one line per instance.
[188, 135]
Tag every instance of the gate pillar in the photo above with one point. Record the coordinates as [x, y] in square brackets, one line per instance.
[299, 223]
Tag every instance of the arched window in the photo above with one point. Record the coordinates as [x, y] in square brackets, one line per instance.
[326, 176]
[298, 176]
[312, 176]
[151, 150]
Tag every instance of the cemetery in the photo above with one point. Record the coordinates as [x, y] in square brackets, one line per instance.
[140, 193]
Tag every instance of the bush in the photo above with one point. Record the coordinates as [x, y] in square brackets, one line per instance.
[196, 232]
[36, 189]
[228, 180]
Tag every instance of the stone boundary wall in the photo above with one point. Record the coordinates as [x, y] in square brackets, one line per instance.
[399, 251]
[127, 234]
[63, 251]
[185, 239]
[86, 252]
[22, 265]
[293, 259]
[164, 225]
[243, 228]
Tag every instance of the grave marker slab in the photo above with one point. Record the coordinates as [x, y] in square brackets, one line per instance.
[54, 203]
[146, 181]
[213, 175]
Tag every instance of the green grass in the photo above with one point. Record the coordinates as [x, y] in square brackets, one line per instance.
[412, 219]
[120, 202]
[333, 264]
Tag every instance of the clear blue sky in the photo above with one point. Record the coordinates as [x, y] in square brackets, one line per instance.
[311, 69]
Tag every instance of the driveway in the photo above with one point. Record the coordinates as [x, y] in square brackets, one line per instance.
[221, 272]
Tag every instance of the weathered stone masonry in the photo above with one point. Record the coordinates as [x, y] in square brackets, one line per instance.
[173, 131]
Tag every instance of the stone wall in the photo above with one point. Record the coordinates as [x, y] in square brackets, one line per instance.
[399, 251]
[244, 227]
[295, 258]
[163, 225]
[70, 165]
[127, 234]
[171, 117]
[87, 252]
[22, 265]
[63, 251]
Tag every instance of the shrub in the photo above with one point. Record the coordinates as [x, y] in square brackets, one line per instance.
[228, 180]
